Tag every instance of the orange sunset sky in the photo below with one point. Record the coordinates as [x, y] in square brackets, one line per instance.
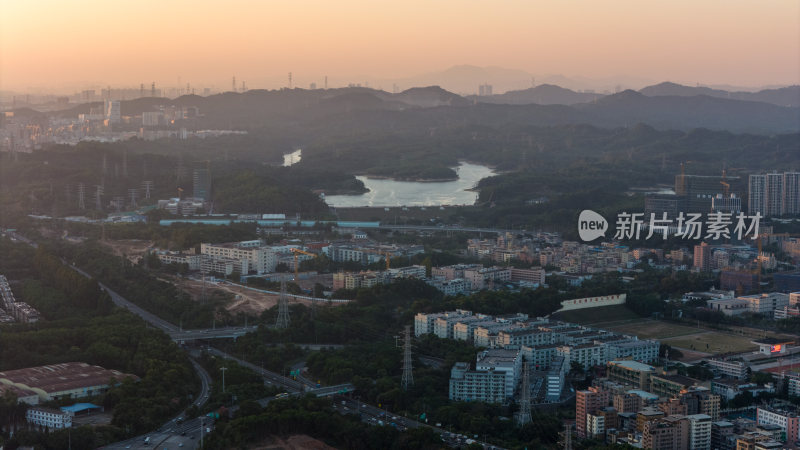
[63, 44]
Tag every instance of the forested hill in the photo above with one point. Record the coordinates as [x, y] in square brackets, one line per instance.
[423, 108]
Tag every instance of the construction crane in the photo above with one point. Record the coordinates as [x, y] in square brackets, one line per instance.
[297, 252]
[760, 241]
[387, 256]
[725, 183]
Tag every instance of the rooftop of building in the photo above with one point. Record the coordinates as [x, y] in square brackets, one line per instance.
[677, 379]
[633, 365]
[643, 394]
[47, 409]
[497, 356]
[62, 377]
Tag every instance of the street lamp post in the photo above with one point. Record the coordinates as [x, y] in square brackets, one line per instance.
[223, 369]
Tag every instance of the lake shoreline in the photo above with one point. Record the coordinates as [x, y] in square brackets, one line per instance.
[390, 192]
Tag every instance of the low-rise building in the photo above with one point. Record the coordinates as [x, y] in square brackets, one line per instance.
[787, 420]
[505, 361]
[49, 418]
[65, 380]
[587, 355]
[670, 385]
[631, 373]
[765, 303]
[729, 306]
[476, 385]
[729, 368]
[554, 379]
[637, 350]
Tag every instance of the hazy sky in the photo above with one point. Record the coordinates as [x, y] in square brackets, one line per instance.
[73, 44]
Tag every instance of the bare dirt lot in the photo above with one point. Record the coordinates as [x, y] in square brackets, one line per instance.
[248, 301]
[133, 249]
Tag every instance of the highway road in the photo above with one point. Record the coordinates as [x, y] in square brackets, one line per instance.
[287, 384]
[376, 416]
[172, 434]
[189, 433]
[448, 228]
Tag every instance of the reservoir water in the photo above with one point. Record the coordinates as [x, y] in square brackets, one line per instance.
[387, 192]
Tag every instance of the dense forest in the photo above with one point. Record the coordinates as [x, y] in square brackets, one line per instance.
[81, 324]
[562, 168]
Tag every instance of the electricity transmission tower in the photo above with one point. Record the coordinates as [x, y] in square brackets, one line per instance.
[408, 374]
[147, 186]
[98, 197]
[133, 193]
[566, 437]
[282, 321]
[81, 196]
[525, 396]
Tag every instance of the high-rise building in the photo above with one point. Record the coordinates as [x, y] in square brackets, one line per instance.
[666, 433]
[726, 204]
[699, 431]
[587, 402]
[201, 184]
[702, 257]
[756, 195]
[111, 109]
[485, 89]
[774, 194]
[773, 203]
[699, 190]
[791, 193]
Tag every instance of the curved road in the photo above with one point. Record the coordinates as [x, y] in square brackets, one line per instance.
[171, 434]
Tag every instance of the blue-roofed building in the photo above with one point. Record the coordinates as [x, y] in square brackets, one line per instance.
[79, 408]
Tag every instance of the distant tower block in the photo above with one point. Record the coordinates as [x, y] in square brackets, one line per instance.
[326, 82]
[290, 80]
[233, 84]
[153, 89]
[141, 90]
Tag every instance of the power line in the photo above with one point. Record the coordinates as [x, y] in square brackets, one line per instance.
[408, 374]
[282, 321]
[525, 397]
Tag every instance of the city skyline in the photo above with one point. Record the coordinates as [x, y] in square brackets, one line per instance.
[712, 43]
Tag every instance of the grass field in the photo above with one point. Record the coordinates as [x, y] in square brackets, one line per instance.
[622, 320]
[653, 329]
[713, 342]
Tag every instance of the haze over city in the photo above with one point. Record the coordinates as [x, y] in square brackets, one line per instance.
[463, 224]
[632, 43]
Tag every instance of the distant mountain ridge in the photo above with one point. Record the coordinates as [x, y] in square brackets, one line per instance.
[423, 108]
[544, 94]
[785, 96]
